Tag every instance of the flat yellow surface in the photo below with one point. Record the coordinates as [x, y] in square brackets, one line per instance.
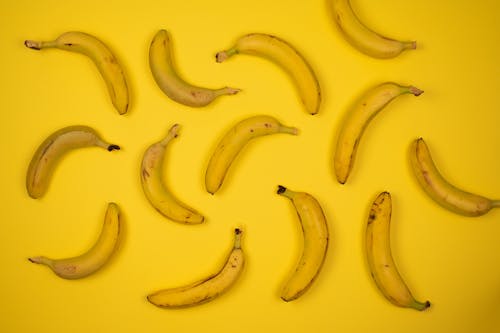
[451, 260]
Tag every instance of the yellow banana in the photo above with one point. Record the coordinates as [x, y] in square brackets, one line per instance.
[152, 183]
[162, 66]
[51, 151]
[287, 57]
[363, 38]
[106, 62]
[205, 289]
[358, 118]
[380, 261]
[234, 141]
[92, 260]
[440, 190]
[315, 234]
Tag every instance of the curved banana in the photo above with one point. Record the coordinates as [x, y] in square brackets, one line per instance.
[162, 66]
[378, 252]
[106, 62]
[363, 38]
[154, 188]
[234, 141]
[287, 57]
[315, 233]
[92, 260]
[444, 193]
[53, 148]
[205, 289]
[358, 118]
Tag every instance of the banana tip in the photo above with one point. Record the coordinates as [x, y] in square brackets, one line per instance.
[281, 189]
[221, 56]
[32, 44]
[415, 91]
[113, 147]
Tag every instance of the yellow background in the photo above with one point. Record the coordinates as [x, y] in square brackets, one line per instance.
[452, 261]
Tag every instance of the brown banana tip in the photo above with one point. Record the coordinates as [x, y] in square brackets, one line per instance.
[221, 56]
[31, 44]
[237, 231]
[113, 147]
[281, 189]
[415, 91]
[31, 260]
[427, 305]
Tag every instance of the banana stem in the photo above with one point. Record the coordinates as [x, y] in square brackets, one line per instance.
[411, 45]
[421, 306]
[282, 190]
[237, 238]
[226, 91]
[495, 203]
[40, 260]
[38, 45]
[289, 130]
[415, 91]
[173, 132]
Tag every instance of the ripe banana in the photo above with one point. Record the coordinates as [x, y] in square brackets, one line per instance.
[358, 118]
[378, 252]
[152, 183]
[234, 141]
[52, 149]
[92, 260]
[162, 66]
[106, 62]
[287, 57]
[444, 193]
[363, 38]
[315, 233]
[206, 289]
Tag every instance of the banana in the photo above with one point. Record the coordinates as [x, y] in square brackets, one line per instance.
[358, 118]
[440, 190]
[206, 289]
[92, 260]
[287, 57]
[380, 261]
[363, 38]
[162, 66]
[52, 149]
[152, 183]
[315, 234]
[234, 141]
[106, 62]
